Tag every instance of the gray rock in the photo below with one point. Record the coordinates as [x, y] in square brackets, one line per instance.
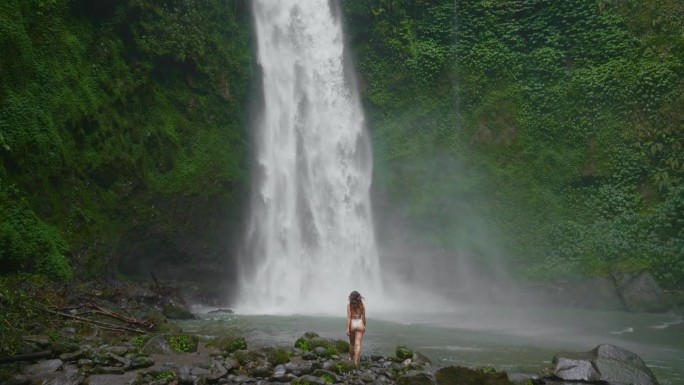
[298, 369]
[85, 362]
[157, 345]
[198, 371]
[262, 371]
[575, 369]
[74, 356]
[641, 293]
[110, 379]
[72, 377]
[216, 371]
[119, 350]
[605, 363]
[108, 370]
[44, 367]
[38, 340]
[141, 362]
[309, 379]
[320, 351]
[177, 310]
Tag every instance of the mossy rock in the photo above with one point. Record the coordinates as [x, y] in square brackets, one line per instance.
[259, 356]
[343, 366]
[418, 379]
[342, 346]
[310, 335]
[466, 376]
[271, 355]
[403, 352]
[228, 344]
[303, 343]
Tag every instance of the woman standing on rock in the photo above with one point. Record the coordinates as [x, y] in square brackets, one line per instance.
[356, 325]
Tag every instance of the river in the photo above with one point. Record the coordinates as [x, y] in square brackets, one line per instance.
[515, 339]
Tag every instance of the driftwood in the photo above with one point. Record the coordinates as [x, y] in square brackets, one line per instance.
[106, 325]
[25, 357]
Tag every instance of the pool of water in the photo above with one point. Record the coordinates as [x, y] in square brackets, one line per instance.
[511, 339]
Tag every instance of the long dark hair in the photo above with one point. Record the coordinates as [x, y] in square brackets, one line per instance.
[356, 303]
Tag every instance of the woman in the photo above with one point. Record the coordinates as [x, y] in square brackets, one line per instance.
[356, 325]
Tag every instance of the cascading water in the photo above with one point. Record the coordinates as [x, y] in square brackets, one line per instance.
[310, 239]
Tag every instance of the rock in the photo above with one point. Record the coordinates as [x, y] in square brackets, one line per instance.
[341, 346]
[420, 358]
[418, 379]
[641, 293]
[215, 372]
[228, 344]
[403, 352]
[298, 368]
[604, 363]
[221, 311]
[72, 377]
[157, 345]
[141, 362]
[119, 350]
[176, 310]
[309, 379]
[108, 370]
[110, 379]
[69, 357]
[466, 376]
[44, 367]
[320, 351]
[262, 371]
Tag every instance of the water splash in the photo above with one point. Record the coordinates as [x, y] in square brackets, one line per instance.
[310, 239]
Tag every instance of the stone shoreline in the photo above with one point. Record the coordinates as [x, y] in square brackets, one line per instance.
[125, 334]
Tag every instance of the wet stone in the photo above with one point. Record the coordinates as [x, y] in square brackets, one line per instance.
[45, 367]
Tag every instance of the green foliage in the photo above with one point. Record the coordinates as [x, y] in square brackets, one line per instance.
[237, 344]
[552, 127]
[29, 244]
[303, 343]
[164, 375]
[114, 118]
[140, 341]
[180, 343]
[21, 297]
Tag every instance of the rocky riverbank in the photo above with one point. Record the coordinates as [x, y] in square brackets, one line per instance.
[124, 334]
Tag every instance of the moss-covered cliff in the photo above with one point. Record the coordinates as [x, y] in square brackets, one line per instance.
[549, 132]
[122, 134]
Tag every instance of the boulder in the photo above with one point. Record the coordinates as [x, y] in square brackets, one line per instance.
[43, 367]
[403, 352]
[467, 376]
[641, 293]
[605, 363]
[176, 310]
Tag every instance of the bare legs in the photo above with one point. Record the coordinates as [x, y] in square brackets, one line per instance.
[357, 337]
[352, 340]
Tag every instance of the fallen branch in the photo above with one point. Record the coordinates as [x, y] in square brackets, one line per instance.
[25, 357]
[94, 322]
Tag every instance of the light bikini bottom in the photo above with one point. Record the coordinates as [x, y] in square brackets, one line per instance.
[356, 323]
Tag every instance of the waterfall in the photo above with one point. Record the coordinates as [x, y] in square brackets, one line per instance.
[310, 239]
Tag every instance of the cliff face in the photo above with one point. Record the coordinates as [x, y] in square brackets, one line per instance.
[122, 134]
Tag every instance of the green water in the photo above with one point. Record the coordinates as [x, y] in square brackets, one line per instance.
[511, 339]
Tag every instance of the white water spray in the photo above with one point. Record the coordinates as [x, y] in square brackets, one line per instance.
[310, 239]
